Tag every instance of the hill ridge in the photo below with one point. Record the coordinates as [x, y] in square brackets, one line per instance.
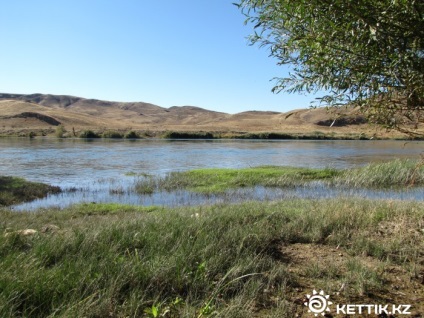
[64, 101]
[42, 111]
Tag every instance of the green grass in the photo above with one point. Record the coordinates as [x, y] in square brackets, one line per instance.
[89, 209]
[254, 259]
[220, 180]
[16, 190]
[223, 260]
[393, 174]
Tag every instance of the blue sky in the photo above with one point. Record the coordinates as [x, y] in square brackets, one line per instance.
[168, 52]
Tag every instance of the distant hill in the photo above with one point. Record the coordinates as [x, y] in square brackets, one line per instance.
[44, 111]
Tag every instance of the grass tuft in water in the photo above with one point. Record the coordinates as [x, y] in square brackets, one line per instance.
[396, 173]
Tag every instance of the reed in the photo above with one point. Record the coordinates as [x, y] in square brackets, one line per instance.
[396, 173]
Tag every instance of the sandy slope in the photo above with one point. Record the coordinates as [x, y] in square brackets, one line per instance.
[19, 112]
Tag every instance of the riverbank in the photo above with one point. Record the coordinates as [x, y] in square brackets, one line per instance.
[41, 115]
[252, 259]
[184, 135]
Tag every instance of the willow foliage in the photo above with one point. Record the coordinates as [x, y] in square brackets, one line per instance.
[368, 52]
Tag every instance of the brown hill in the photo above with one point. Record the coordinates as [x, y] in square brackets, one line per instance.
[39, 111]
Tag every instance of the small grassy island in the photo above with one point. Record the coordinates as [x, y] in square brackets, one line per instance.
[16, 190]
[393, 174]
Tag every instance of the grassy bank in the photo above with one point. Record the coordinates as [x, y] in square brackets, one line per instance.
[187, 135]
[256, 259]
[246, 260]
[16, 190]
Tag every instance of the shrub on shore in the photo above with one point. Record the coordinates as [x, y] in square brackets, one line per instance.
[112, 134]
[188, 135]
[88, 134]
[132, 135]
[60, 131]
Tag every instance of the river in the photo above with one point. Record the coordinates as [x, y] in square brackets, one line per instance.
[94, 168]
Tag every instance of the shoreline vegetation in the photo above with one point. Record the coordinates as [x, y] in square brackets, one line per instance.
[15, 190]
[61, 132]
[250, 259]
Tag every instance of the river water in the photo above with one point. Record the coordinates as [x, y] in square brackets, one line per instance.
[105, 170]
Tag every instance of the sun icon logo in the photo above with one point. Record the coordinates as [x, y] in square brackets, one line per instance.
[318, 303]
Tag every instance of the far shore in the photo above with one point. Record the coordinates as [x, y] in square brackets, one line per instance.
[170, 134]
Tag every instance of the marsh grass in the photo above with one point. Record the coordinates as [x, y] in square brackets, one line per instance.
[396, 173]
[15, 190]
[220, 180]
[108, 260]
[228, 260]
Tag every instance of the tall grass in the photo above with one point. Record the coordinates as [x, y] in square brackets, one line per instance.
[224, 260]
[398, 172]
